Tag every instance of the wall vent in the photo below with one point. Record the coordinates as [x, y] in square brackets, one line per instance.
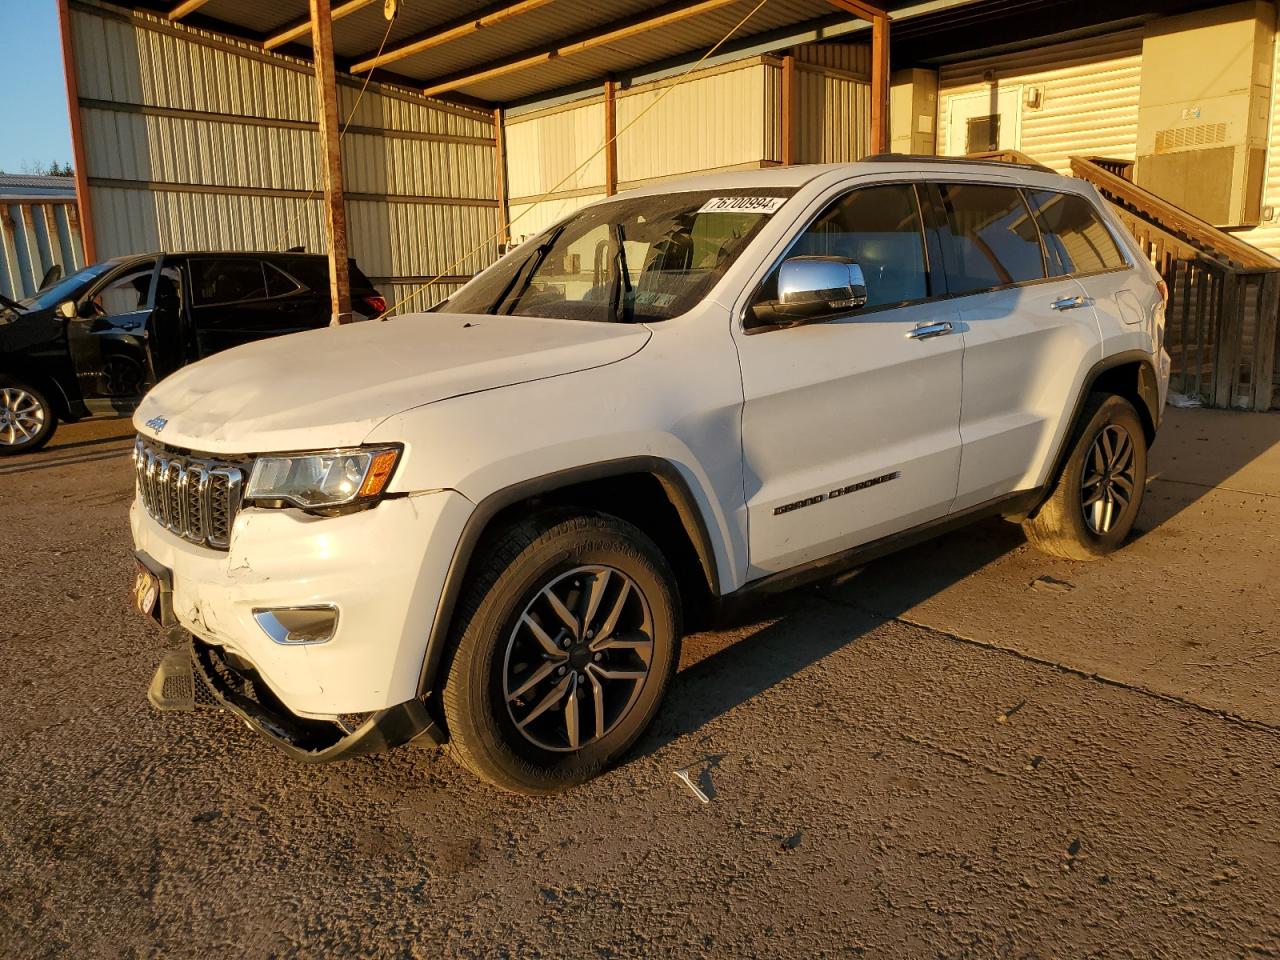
[1190, 138]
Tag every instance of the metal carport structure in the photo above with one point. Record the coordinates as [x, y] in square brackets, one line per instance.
[488, 57]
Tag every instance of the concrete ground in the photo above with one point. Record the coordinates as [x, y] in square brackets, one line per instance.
[966, 750]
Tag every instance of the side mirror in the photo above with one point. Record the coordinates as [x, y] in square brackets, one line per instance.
[67, 310]
[51, 276]
[814, 288]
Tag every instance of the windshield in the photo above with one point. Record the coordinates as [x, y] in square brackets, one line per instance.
[66, 288]
[635, 260]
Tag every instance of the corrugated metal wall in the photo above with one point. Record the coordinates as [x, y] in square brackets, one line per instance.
[724, 118]
[833, 111]
[1089, 96]
[197, 142]
[34, 236]
[714, 120]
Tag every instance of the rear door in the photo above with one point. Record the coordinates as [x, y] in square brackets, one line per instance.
[1026, 330]
[850, 426]
[237, 299]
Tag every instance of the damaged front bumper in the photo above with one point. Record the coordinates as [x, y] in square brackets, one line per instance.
[200, 674]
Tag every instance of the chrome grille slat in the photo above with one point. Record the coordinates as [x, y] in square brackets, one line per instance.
[192, 496]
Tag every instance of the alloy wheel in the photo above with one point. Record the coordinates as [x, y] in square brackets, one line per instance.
[578, 658]
[1107, 488]
[22, 416]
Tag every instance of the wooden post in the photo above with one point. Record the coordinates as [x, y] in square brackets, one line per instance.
[788, 110]
[610, 143]
[1266, 346]
[77, 137]
[335, 212]
[500, 172]
[880, 84]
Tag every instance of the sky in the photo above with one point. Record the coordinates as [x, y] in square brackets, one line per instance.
[34, 124]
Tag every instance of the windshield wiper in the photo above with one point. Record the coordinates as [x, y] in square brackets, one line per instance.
[514, 290]
[623, 308]
[13, 305]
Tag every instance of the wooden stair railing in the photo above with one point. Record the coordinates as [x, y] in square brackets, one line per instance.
[1222, 326]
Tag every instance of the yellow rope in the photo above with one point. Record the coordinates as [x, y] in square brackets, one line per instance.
[576, 170]
[342, 133]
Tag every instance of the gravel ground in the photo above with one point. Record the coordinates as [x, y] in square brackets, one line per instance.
[966, 750]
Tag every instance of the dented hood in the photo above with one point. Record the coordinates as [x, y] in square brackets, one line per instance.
[331, 387]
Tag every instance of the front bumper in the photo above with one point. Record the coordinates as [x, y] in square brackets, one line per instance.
[383, 568]
[311, 741]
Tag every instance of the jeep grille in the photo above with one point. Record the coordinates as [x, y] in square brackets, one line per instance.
[194, 497]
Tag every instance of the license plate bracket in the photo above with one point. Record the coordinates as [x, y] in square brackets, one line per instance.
[152, 592]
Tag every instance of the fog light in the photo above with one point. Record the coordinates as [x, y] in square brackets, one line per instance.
[299, 625]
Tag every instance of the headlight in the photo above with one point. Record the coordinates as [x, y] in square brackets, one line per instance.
[333, 478]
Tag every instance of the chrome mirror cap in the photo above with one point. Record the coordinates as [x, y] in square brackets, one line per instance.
[812, 286]
[67, 310]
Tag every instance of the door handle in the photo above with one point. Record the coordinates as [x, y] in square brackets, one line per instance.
[927, 331]
[1071, 303]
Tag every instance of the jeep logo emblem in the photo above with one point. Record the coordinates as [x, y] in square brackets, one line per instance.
[157, 423]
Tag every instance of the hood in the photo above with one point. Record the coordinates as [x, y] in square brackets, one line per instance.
[331, 387]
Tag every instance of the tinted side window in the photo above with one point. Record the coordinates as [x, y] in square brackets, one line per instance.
[312, 272]
[125, 294]
[227, 281]
[880, 228]
[279, 284]
[990, 238]
[1075, 239]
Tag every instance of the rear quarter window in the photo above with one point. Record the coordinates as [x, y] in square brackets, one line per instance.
[1076, 241]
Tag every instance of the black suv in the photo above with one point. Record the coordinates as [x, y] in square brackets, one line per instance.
[93, 343]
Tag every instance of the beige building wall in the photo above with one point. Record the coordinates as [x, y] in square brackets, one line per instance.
[1267, 233]
[1087, 96]
[196, 142]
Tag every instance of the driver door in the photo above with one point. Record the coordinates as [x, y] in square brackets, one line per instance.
[851, 426]
[107, 339]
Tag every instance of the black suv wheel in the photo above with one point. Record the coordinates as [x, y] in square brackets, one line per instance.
[27, 419]
[567, 639]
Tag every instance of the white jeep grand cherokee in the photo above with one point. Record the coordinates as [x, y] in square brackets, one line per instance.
[491, 522]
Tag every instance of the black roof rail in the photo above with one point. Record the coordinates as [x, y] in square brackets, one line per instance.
[921, 158]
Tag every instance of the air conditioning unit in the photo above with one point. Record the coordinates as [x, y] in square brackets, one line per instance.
[1204, 111]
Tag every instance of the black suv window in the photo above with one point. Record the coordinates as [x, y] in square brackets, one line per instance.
[880, 228]
[1075, 239]
[279, 283]
[990, 238]
[227, 281]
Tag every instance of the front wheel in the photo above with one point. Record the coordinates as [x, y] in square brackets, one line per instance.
[1097, 498]
[566, 642]
[27, 419]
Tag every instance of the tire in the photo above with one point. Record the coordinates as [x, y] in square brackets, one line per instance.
[1110, 444]
[512, 651]
[27, 418]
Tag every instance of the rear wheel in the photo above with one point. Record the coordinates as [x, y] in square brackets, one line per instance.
[27, 419]
[1096, 500]
[566, 642]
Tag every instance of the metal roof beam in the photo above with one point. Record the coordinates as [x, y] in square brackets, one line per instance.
[619, 31]
[184, 8]
[869, 12]
[455, 32]
[303, 27]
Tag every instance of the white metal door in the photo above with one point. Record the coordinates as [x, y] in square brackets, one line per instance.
[983, 121]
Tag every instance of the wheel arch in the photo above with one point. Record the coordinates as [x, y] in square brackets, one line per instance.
[647, 491]
[46, 383]
[1131, 375]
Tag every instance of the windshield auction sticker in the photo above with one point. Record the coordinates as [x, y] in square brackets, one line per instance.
[765, 205]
